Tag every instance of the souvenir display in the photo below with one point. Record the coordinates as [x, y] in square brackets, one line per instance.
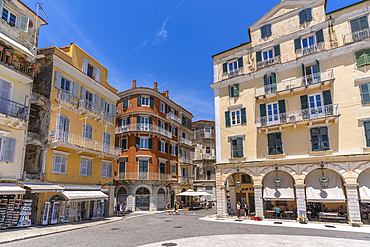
[54, 213]
[12, 211]
[25, 213]
[45, 216]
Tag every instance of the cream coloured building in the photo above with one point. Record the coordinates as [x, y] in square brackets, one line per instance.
[292, 117]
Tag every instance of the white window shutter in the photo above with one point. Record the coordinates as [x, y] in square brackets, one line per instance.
[113, 109]
[102, 104]
[63, 166]
[110, 170]
[97, 99]
[83, 92]
[97, 74]
[23, 24]
[9, 148]
[85, 63]
[57, 79]
[89, 168]
[1, 6]
[75, 89]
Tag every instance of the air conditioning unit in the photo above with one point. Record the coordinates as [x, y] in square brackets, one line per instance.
[293, 118]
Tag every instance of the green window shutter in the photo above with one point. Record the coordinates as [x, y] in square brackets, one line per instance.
[175, 131]
[365, 93]
[239, 145]
[281, 106]
[259, 56]
[320, 36]
[150, 123]
[166, 126]
[304, 102]
[363, 22]
[302, 16]
[297, 44]
[166, 146]
[367, 56]
[268, 30]
[367, 133]
[224, 67]
[138, 123]
[165, 109]
[228, 90]
[159, 145]
[151, 101]
[123, 144]
[262, 110]
[265, 80]
[303, 70]
[170, 128]
[150, 143]
[263, 31]
[119, 122]
[243, 115]
[361, 58]
[240, 62]
[170, 147]
[122, 166]
[278, 143]
[327, 97]
[315, 139]
[273, 77]
[139, 100]
[227, 118]
[318, 66]
[324, 138]
[138, 142]
[236, 90]
[128, 120]
[177, 151]
[277, 50]
[271, 143]
[159, 123]
[355, 25]
[308, 14]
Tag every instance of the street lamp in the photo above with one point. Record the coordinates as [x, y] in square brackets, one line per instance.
[277, 179]
[324, 180]
[238, 183]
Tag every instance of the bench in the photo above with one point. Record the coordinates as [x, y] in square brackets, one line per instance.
[331, 216]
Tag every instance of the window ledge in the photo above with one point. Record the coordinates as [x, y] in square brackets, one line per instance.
[366, 149]
[235, 160]
[276, 156]
[318, 153]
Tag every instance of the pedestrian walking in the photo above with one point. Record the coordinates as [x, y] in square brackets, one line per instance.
[118, 208]
[238, 209]
[176, 210]
[206, 203]
[124, 208]
[246, 209]
[168, 207]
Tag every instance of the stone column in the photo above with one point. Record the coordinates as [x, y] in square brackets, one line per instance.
[153, 202]
[258, 200]
[110, 201]
[232, 198]
[353, 206]
[131, 203]
[301, 199]
[221, 201]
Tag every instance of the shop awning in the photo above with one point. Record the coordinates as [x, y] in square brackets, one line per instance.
[75, 195]
[16, 45]
[11, 189]
[284, 193]
[364, 186]
[191, 192]
[42, 187]
[314, 192]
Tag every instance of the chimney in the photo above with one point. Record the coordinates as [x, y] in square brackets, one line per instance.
[134, 84]
[166, 93]
[155, 86]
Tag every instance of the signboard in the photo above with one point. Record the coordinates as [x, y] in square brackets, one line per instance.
[45, 216]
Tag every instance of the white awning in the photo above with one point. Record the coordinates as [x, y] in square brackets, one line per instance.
[191, 192]
[364, 186]
[11, 189]
[42, 187]
[16, 45]
[74, 195]
[284, 193]
[314, 192]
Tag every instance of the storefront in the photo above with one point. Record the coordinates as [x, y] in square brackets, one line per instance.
[364, 194]
[142, 199]
[161, 199]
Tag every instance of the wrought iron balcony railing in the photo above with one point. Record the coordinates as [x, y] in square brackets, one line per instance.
[13, 109]
[143, 127]
[299, 116]
[14, 63]
[172, 116]
[271, 61]
[66, 96]
[185, 141]
[144, 176]
[89, 106]
[185, 160]
[356, 36]
[233, 73]
[310, 50]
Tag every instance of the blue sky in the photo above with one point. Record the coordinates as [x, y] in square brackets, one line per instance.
[170, 42]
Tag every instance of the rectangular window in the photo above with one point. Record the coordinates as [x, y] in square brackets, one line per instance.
[209, 173]
[174, 130]
[173, 169]
[184, 172]
[143, 166]
[162, 146]
[145, 101]
[273, 116]
[90, 70]
[235, 117]
[173, 150]
[87, 132]
[59, 164]
[162, 167]
[8, 17]
[237, 148]
[144, 143]
[246, 179]
[86, 168]
[123, 143]
[305, 15]
[308, 42]
[365, 93]
[320, 139]
[234, 90]
[266, 55]
[362, 57]
[163, 107]
[106, 170]
[122, 166]
[9, 149]
[106, 141]
[65, 84]
[359, 24]
[275, 144]
[266, 30]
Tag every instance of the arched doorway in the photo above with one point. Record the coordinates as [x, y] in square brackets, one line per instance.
[172, 199]
[364, 195]
[161, 199]
[121, 195]
[142, 199]
[240, 189]
[57, 209]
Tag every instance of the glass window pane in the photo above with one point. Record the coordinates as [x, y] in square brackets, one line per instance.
[270, 54]
[304, 43]
[5, 14]
[265, 57]
[311, 41]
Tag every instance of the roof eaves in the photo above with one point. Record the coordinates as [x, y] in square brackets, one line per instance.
[353, 4]
[231, 48]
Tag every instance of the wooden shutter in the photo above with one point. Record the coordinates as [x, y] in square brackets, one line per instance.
[159, 123]
[150, 120]
[150, 143]
[297, 44]
[57, 79]
[243, 115]
[363, 22]
[151, 99]
[110, 167]
[224, 67]
[273, 78]
[365, 93]
[165, 108]
[308, 13]
[281, 106]
[114, 109]
[265, 82]
[236, 90]
[262, 110]
[277, 50]
[263, 31]
[97, 99]
[85, 63]
[361, 58]
[318, 67]
[83, 93]
[124, 144]
[304, 102]
[119, 122]
[324, 138]
[327, 97]
[367, 133]
[128, 120]
[227, 118]
[302, 16]
[271, 143]
[97, 74]
[63, 165]
[23, 24]
[1, 6]
[240, 62]
[138, 122]
[259, 56]
[303, 70]
[268, 30]
[166, 147]
[239, 146]
[175, 131]
[177, 151]
[278, 143]
[320, 36]
[159, 145]
[139, 100]
[137, 144]
[9, 148]
[89, 168]
[165, 126]
[355, 25]
[315, 139]
[75, 88]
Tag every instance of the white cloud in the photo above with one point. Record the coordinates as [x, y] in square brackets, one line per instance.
[139, 47]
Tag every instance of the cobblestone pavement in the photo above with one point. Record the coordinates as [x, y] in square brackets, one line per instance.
[155, 228]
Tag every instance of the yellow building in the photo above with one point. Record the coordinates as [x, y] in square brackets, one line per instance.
[291, 111]
[81, 138]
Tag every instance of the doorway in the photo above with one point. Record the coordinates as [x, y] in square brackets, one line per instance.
[142, 199]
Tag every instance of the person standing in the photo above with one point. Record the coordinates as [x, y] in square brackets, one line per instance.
[238, 209]
[246, 209]
[168, 207]
[118, 208]
[206, 203]
[124, 208]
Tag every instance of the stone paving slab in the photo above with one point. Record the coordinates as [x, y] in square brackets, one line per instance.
[257, 240]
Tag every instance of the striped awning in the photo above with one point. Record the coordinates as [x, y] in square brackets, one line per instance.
[11, 189]
[75, 195]
[39, 187]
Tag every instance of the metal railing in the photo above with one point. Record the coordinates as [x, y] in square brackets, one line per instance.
[59, 136]
[296, 82]
[13, 109]
[143, 127]
[144, 176]
[298, 116]
[185, 160]
[233, 73]
[184, 180]
[107, 116]
[66, 96]
[356, 36]
[201, 133]
[310, 49]
[15, 64]
[89, 106]
[268, 62]
[185, 141]
[208, 157]
[172, 116]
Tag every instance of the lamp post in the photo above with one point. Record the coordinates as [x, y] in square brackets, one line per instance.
[238, 183]
[277, 179]
[324, 180]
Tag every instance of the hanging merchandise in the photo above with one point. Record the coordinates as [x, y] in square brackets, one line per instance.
[102, 208]
[54, 213]
[11, 211]
[78, 211]
[25, 213]
[45, 217]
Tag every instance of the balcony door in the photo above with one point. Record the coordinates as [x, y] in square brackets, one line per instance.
[143, 169]
[273, 113]
[316, 106]
[6, 94]
[89, 100]
[144, 122]
[311, 74]
[63, 128]
[106, 142]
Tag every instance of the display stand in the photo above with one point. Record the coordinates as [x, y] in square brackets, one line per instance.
[45, 217]
[25, 213]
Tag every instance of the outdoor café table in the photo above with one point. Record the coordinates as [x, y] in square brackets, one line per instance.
[288, 213]
[271, 212]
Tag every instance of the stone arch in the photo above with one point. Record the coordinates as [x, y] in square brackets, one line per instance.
[231, 171]
[118, 188]
[359, 169]
[334, 167]
[269, 169]
[57, 194]
[161, 187]
[140, 186]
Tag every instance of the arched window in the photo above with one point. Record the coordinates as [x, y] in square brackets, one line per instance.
[161, 191]
[142, 191]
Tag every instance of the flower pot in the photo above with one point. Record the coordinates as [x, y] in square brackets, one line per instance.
[15, 56]
[21, 59]
[1, 48]
[8, 53]
[33, 66]
[27, 63]
[35, 69]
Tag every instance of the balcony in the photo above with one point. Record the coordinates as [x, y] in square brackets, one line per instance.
[299, 116]
[13, 109]
[310, 50]
[144, 176]
[185, 180]
[143, 128]
[356, 36]
[66, 98]
[67, 139]
[269, 62]
[13, 62]
[185, 141]
[295, 84]
[88, 107]
[172, 116]
[208, 157]
[201, 133]
[233, 73]
[185, 160]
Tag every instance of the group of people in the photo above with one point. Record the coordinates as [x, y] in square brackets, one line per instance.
[120, 208]
[245, 207]
[279, 213]
[176, 207]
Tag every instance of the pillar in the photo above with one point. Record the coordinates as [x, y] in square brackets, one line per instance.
[110, 202]
[130, 203]
[232, 198]
[258, 200]
[353, 206]
[221, 201]
[153, 202]
[301, 200]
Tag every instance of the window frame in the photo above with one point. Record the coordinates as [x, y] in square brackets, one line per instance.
[84, 130]
[358, 18]
[120, 144]
[107, 167]
[173, 130]
[231, 117]
[53, 171]
[368, 92]
[70, 84]
[173, 149]
[160, 167]
[89, 65]
[232, 139]
[173, 169]
[274, 147]
[246, 181]
[147, 165]
[10, 12]
[119, 165]
[320, 140]
[143, 99]
[266, 51]
[162, 147]
[162, 107]
[89, 163]
[145, 141]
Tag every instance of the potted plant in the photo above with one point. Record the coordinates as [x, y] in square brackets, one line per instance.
[21, 59]
[8, 52]
[27, 63]
[11, 24]
[1, 48]
[33, 66]
[15, 55]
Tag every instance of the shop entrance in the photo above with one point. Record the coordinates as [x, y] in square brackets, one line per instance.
[57, 209]
[172, 199]
[142, 199]
[122, 195]
[161, 200]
